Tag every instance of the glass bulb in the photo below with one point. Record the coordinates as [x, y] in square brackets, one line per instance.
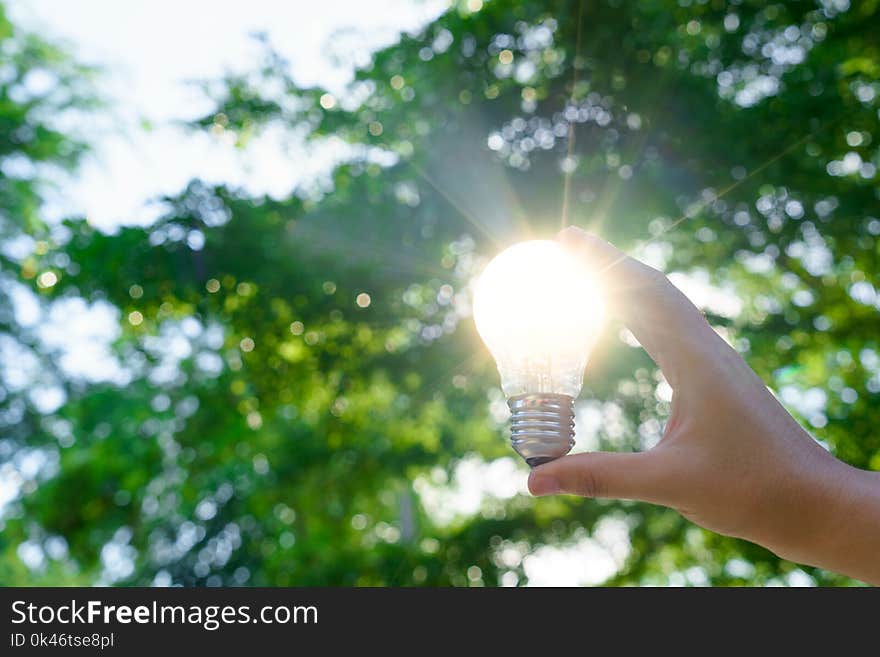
[539, 312]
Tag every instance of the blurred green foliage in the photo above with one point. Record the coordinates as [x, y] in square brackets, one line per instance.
[277, 427]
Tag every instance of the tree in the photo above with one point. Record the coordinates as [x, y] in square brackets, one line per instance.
[38, 85]
[303, 372]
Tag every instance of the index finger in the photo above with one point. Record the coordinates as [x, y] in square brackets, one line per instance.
[670, 328]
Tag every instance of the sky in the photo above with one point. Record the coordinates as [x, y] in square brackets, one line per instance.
[148, 55]
[151, 52]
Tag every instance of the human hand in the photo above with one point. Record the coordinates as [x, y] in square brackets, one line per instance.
[731, 459]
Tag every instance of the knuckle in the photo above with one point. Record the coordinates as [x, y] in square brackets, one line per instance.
[646, 277]
[590, 484]
[653, 277]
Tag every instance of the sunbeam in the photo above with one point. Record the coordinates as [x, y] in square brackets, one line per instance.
[695, 210]
[391, 259]
[569, 167]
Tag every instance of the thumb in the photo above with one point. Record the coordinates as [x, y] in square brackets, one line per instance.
[640, 476]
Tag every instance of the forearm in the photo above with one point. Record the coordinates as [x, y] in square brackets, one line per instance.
[844, 526]
[857, 549]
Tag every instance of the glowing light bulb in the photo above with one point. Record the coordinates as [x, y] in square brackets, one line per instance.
[539, 313]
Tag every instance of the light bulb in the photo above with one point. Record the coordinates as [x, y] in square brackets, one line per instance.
[539, 312]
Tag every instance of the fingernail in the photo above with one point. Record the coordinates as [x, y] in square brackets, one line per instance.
[543, 484]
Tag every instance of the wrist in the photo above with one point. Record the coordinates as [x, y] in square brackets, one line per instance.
[832, 502]
[853, 545]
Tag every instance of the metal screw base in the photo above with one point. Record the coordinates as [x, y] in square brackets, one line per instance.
[541, 426]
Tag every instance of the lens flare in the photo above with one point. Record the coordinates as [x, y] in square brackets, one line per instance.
[539, 311]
